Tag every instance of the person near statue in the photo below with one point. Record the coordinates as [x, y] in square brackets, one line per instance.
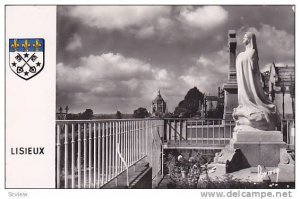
[255, 111]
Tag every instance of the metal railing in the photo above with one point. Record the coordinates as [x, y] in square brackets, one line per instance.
[208, 132]
[92, 153]
[213, 132]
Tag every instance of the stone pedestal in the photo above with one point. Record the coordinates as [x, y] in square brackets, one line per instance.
[230, 99]
[250, 149]
[230, 87]
[259, 147]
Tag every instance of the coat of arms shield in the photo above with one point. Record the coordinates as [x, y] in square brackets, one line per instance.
[26, 57]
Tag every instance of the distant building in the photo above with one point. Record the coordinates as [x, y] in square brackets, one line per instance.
[211, 102]
[60, 115]
[212, 105]
[158, 106]
[279, 85]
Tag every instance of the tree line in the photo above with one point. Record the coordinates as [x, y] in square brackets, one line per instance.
[188, 107]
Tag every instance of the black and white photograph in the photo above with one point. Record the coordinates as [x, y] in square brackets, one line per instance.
[175, 97]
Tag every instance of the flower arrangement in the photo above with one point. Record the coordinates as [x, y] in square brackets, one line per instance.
[185, 169]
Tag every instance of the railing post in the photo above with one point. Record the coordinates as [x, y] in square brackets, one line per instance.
[90, 154]
[66, 155]
[73, 158]
[126, 143]
[202, 132]
[175, 130]
[196, 132]
[94, 155]
[140, 140]
[213, 126]
[162, 160]
[180, 126]
[137, 140]
[219, 124]
[99, 153]
[146, 138]
[113, 149]
[207, 132]
[224, 131]
[134, 143]
[79, 156]
[129, 142]
[58, 157]
[106, 152]
[109, 151]
[185, 128]
[103, 154]
[116, 153]
[121, 142]
[167, 130]
[84, 155]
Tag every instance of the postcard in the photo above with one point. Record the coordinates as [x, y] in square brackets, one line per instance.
[150, 97]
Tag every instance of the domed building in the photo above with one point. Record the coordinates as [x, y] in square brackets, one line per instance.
[159, 106]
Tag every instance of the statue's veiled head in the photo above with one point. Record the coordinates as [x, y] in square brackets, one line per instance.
[250, 40]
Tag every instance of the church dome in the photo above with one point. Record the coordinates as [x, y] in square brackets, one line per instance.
[158, 99]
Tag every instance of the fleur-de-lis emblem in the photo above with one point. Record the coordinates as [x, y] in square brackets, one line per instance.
[15, 45]
[26, 56]
[36, 45]
[26, 45]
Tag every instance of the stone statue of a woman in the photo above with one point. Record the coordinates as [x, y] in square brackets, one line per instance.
[255, 111]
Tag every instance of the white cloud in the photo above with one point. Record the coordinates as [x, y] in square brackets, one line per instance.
[208, 73]
[205, 18]
[118, 17]
[74, 43]
[161, 22]
[145, 32]
[114, 76]
[204, 61]
[115, 67]
[102, 69]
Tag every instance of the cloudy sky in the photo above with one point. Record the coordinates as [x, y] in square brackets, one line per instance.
[116, 58]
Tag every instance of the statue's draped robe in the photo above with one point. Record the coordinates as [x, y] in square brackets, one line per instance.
[255, 111]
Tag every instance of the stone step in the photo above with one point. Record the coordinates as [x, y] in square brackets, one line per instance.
[136, 173]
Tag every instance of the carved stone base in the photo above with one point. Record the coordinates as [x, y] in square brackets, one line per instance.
[259, 147]
[250, 149]
[231, 160]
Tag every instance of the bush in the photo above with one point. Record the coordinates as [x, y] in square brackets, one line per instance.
[195, 165]
[184, 169]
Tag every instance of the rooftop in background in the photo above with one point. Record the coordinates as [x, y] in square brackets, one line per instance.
[286, 75]
[279, 75]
